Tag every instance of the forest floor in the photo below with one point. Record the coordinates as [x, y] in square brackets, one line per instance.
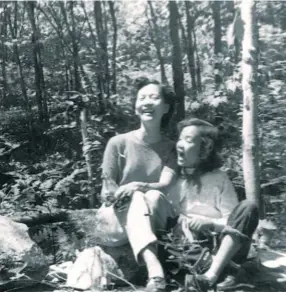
[271, 276]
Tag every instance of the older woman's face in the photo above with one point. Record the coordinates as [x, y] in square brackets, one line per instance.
[188, 147]
[150, 105]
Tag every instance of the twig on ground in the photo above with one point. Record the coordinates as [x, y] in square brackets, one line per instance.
[18, 288]
[33, 284]
[125, 281]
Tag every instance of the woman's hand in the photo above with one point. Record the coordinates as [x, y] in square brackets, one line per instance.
[200, 224]
[128, 189]
[125, 192]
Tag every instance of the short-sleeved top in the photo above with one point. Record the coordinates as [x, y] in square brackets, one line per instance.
[127, 159]
[211, 195]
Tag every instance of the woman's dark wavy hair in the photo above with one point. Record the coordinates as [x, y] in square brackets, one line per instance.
[207, 132]
[166, 92]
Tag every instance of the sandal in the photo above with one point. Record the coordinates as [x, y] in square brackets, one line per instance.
[156, 284]
[198, 283]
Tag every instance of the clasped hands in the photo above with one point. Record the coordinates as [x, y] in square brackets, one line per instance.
[127, 190]
[124, 193]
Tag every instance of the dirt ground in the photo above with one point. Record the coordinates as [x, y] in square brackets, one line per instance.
[272, 276]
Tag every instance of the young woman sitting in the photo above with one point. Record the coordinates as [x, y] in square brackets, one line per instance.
[206, 200]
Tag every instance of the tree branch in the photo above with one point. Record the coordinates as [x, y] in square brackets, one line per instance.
[57, 29]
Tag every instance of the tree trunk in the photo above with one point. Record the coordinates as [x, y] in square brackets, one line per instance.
[13, 32]
[114, 45]
[184, 36]
[77, 82]
[42, 78]
[3, 31]
[156, 42]
[83, 112]
[87, 155]
[93, 37]
[217, 45]
[86, 78]
[37, 48]
[283, 16]
[178, 75]
[105, 21]
[234, 34]
[98, 62]
[66, 48]
[103, 58]
[231, 38]
[42, 107]
[76, 85]
[67, 85]
[190, 46]
[249, 84]
[198, 65]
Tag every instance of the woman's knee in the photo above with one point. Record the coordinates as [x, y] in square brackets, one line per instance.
[153, 198]
[245, 217]
[249, 208]
[137, 199]
[150, 198]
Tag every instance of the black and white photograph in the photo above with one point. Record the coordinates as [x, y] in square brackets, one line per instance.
[143, 146]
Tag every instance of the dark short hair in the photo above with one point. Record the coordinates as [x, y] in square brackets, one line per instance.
[206, 131]
[166, 92]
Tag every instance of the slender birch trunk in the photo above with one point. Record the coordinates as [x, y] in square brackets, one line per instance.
[250, 120]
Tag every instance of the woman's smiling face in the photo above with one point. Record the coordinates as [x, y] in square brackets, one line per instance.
[150, 105]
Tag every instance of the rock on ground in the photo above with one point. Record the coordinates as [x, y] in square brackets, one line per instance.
[83, 229]
[93, 268]
[20, 257]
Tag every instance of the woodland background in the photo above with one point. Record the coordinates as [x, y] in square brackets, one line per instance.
[67, 83]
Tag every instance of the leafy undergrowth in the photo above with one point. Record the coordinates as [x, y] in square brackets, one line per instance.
[58, 179]
[278, 216]
[51, 184]
[266, 284]
[50, 172]
[54, 183]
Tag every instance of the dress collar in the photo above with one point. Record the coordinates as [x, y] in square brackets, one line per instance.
[187, 171]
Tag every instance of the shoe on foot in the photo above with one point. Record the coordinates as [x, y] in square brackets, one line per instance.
[233, 282]
[228, 283]
[199, 283]
[156, 284]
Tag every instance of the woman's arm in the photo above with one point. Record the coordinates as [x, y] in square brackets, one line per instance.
[167, 176]
[166, 179]
[128, 189]
[110, 169]
[227, 202]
